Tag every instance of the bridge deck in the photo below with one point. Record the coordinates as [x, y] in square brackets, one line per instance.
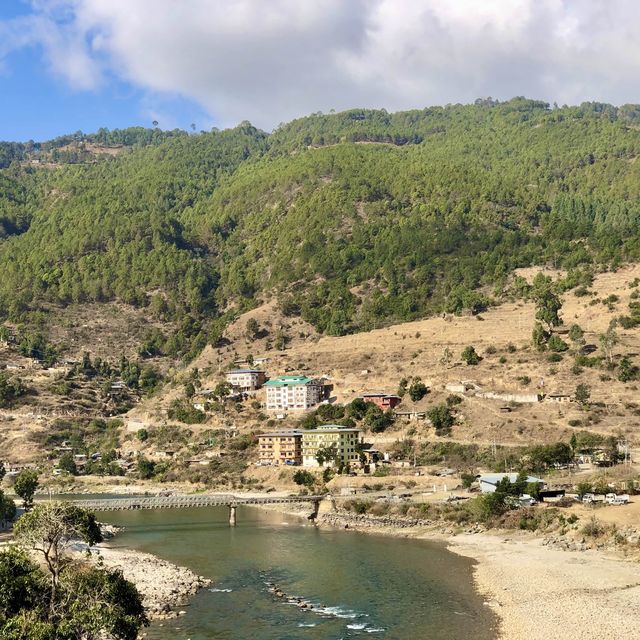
[184, 501]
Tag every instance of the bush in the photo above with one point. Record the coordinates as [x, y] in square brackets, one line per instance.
[557, 344]
[303, 478]
[441, 418]
[146, 468]
[593, 529]
[576, 333]
[470, 356]
[417, 390]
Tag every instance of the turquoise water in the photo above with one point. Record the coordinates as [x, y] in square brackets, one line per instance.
[361, 586]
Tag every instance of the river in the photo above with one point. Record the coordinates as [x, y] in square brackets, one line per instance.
[360, 585]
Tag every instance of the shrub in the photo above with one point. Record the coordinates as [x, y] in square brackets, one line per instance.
[303, 478]
[441, 418]
[557, 344]
[576, 333]
[593, 529]
[582, 393]
[417, 390]
[470, 356]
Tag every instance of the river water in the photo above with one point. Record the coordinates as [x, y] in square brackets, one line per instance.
[361, 586]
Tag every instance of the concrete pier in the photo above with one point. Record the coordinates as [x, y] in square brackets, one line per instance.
[232, 515]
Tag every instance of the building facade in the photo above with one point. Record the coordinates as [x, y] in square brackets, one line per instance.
[345, 440]
[383, 400]
[246, 379]
[280, 447]
[293, 393]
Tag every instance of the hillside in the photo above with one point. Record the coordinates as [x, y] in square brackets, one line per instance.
[353, 220]
[219, 450]
[369, 247]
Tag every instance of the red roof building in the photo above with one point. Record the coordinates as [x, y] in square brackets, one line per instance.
[383, 400]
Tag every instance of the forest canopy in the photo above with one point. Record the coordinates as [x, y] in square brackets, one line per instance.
[354, 219]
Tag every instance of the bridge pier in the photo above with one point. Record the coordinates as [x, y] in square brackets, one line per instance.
[232, 515]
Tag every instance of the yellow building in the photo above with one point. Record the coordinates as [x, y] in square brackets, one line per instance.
[344, 440]
[280, 447]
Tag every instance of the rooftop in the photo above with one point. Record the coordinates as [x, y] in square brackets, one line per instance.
[285, 381]
[280, 434]
[333, 428]
[494, 478]
[245, 371]
[380, 395]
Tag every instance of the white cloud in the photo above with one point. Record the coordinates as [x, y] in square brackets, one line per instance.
[271, 60]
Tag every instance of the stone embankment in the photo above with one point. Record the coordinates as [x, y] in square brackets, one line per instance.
[348, 520]
[165, 587]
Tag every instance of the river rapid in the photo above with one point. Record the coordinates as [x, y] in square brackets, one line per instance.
[358, 585]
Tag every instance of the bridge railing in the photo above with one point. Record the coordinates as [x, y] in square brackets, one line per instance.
[185, 501]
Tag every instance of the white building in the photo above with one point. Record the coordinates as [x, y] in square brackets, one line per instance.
[246, 379]
[294, 393]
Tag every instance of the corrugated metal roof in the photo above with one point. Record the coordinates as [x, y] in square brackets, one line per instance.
[494, 478]
[285, 381]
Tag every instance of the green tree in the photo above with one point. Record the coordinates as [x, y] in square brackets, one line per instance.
[627, 371]
[327, 455]
[221, 390]
[539, 337]
[74, 601]
[582, 393]
[417, 390]
[7, 508]
[25, 486]
[251, 329]
[608, 340]
[576, 333]
[304, 477]
[470, 356]
[557, 344]
[50, 529]
[441, 418]
[67, 463]
[548, 303]
[146, 468]
[10, 390]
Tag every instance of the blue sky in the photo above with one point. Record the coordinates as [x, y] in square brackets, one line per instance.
[82, 64]
[38, 105]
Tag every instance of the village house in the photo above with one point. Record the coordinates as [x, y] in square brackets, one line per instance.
[344, 440]
[246, 379]
[383, 400]
[280, 447]
[293, 392]
[558, 398]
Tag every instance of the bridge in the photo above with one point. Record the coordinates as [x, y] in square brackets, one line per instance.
[190, 501]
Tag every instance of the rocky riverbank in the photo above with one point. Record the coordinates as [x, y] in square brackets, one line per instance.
[165, 588]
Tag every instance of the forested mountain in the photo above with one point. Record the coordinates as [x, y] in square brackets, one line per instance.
[352, 219]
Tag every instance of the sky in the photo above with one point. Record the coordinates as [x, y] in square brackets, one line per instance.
[67, 65]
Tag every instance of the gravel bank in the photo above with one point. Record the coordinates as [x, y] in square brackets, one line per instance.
[540, 592]
[165, 587]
